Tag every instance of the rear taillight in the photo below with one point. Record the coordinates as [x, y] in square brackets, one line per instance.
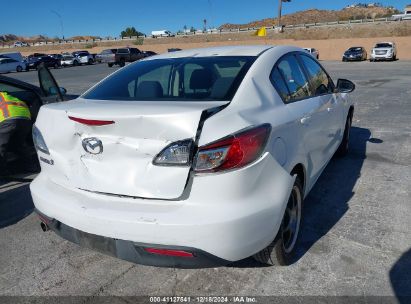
[234, 151]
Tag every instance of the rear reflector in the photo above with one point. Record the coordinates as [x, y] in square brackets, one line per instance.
[91, 122]
[177, 253]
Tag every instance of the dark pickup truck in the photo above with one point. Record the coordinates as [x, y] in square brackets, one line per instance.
[128, 55]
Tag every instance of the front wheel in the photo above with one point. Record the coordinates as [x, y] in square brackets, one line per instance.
[110, 65]
[122, 63]
[19, 69]
[282, 250]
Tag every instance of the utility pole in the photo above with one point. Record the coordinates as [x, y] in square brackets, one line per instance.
[280, 8]
[61, 22]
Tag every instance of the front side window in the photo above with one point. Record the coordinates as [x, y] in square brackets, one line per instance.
[294, 78]
[319, 80]
[179, 79]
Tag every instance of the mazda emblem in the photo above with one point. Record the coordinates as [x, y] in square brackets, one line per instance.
[93, 145]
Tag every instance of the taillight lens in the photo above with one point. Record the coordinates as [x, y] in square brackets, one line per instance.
[234, 151]
[39, 142]
[176, 154]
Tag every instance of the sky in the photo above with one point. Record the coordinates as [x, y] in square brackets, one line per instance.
[109, 17]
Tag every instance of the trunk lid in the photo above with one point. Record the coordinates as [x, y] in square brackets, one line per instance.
[140, 131]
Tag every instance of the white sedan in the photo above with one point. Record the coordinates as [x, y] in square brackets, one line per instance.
[10, 65]
[194, 158]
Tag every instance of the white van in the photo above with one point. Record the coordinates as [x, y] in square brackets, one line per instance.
[163, 33]
[15, 55]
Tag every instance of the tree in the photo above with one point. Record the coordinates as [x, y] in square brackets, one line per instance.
[131, 31]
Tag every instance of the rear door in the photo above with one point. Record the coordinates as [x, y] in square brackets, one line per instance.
[306, 110]
[331, 108]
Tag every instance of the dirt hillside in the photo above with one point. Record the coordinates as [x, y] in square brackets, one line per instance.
[315, 15]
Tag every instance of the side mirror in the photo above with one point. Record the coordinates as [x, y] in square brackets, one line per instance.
[345, 86]
[53, 91]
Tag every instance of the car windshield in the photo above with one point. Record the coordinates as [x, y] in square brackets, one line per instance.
[179, 79]
[383, 45]
[123, 51]
[354, 49]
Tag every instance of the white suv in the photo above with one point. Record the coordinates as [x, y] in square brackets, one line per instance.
[83, 57]
[384, 51]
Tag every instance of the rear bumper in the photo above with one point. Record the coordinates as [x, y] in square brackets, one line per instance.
[230, 216]
[131, 251]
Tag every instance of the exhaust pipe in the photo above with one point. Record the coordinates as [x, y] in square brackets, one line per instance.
[44, 227]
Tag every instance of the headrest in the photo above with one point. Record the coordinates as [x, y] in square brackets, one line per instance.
[149, 89]
[201, 79]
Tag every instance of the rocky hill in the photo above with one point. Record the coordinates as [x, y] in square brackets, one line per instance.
[315, 15]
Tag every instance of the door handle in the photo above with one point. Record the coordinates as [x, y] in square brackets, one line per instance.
[305, 120]
[329, 109]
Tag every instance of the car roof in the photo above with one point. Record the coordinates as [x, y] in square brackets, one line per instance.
[247, 50]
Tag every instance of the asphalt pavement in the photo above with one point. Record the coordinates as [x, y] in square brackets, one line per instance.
[356, 233]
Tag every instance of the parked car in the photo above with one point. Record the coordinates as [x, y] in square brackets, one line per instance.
[83, 57]
[69, 60]
[107, 56]
[9, 65]
[171, 50]
[162, 33]
[384, 51]
[20, 44]
[314, 52]
[34, 97]
[34, 62]
[194, 159]
[14, 55]
[149, 53]
[124, 55]
[357, 53]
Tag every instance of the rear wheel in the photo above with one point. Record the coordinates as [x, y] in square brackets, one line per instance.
[90, 61]
[282, 250]
[19, 69]
[75, 63]
[56, 66]
[122, 63]
[394, 58]
[110, 65]
[344, 145]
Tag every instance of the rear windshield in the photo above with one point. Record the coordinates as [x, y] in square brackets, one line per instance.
[180, 79]
[355, 49]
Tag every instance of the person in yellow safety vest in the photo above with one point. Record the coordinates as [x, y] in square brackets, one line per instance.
[15, 127]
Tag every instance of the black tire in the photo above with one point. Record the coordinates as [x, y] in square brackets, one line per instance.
[56, 66]
[110, 65]
[75, 63]
[90, 61]
[122, 63]
[19, 69]
[343, 148]
[280, 253]
[394, 58]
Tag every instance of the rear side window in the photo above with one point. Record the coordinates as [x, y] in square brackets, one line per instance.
[294, 78]
[319, 80]
[279, 83]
